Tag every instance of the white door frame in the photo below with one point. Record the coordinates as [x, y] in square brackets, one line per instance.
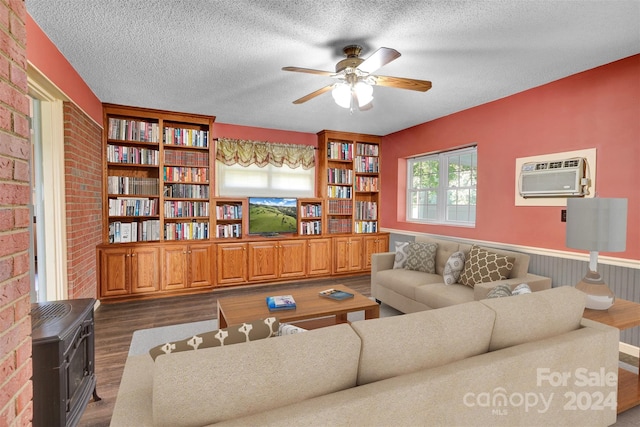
[54, 270]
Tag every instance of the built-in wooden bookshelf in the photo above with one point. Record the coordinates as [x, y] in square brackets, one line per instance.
[310, 217]
[348, 178]
[165, 232]
[157, 173]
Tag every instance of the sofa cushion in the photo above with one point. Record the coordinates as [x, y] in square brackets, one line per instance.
[483, 265]
[249, 331]
[438, 295]
[421, 257]
[220, 383]
[535, 316]
[405, 282]
[401, 254]
[397, 345]
[453, 268]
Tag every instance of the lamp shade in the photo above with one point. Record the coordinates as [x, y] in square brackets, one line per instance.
[597, 224]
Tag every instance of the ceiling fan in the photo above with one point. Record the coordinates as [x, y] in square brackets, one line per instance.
[354, 87]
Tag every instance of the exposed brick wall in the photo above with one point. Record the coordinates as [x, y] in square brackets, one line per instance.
[83, 189]
[16, 406]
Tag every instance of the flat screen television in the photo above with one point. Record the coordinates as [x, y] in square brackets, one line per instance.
[271, 216]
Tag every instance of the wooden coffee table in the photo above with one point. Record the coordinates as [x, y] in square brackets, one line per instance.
[309, 305]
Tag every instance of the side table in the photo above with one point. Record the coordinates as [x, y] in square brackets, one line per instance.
[622, 315]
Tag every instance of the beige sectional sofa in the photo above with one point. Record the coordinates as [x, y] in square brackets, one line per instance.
[410, 290]
[520, 360]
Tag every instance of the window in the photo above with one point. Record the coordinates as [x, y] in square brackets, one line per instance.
[281, 181]
[441, 187]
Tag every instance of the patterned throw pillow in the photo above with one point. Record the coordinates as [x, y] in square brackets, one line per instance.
[484, 266]
[401, 255]
[250, 331]
[421, 257]
[500, 291]
[453, 268]
[521, 289]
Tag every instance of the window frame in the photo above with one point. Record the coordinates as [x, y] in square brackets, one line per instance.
[443, 188]
[269, 172]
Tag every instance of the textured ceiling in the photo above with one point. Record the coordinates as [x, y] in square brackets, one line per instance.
[224, 58]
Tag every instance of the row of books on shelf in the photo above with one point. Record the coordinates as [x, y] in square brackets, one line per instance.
[225, 231]
[186, 137]
[339, 192]
[187, 191]
[366, 210]
[186, 174]
[310, 211]
[135, 231]
[132, 185]
[133, 206]
[363, 149]
[339, 176]
[229, 211]
[367, 164]
[133, 130]
[339, 225]
[308, 228]
[367, 183]
[340, 207]
[186, 230]
[339, 150]
[132, 155]
[181, 209]
[187, 158]
[366, 227]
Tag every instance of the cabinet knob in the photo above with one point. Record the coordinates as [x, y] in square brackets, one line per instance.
[133, 254]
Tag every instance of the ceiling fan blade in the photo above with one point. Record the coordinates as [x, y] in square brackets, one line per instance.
[313, 94]
[367, 107]
[402, 83]
[379, 58]
[309, 71]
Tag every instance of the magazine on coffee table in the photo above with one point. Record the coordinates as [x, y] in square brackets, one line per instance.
[281, 302]
[336, 294]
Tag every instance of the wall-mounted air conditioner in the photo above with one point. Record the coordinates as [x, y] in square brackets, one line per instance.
[555, 178]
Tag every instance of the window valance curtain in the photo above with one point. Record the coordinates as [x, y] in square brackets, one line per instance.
[244, 152]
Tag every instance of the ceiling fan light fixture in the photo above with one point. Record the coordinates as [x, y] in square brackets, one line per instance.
[364, 92]
[342, 94]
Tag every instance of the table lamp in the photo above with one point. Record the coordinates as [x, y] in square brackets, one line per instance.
[596, 225]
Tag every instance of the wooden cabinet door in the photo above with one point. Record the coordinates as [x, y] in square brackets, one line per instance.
[319, 257]
[145, 270]
[374, 245]
[174, 272]
[292, 256]
[201, 265]
[263, 260]
[356, 251]
[231, 263]
[341, 254]
[114, 271]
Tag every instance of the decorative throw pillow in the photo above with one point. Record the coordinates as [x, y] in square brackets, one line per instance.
[485, 266]
[500, 291]
[249, 331]
[521, 289]
[401, 255]
[421, 257]
[453, 268]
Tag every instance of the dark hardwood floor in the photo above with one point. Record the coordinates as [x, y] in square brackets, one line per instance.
[116, 322]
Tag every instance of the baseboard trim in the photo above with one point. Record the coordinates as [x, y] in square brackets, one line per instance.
[629, 349]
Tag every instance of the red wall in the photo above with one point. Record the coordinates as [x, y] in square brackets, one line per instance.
[598, 108]
[263, 134]
[46, 57]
